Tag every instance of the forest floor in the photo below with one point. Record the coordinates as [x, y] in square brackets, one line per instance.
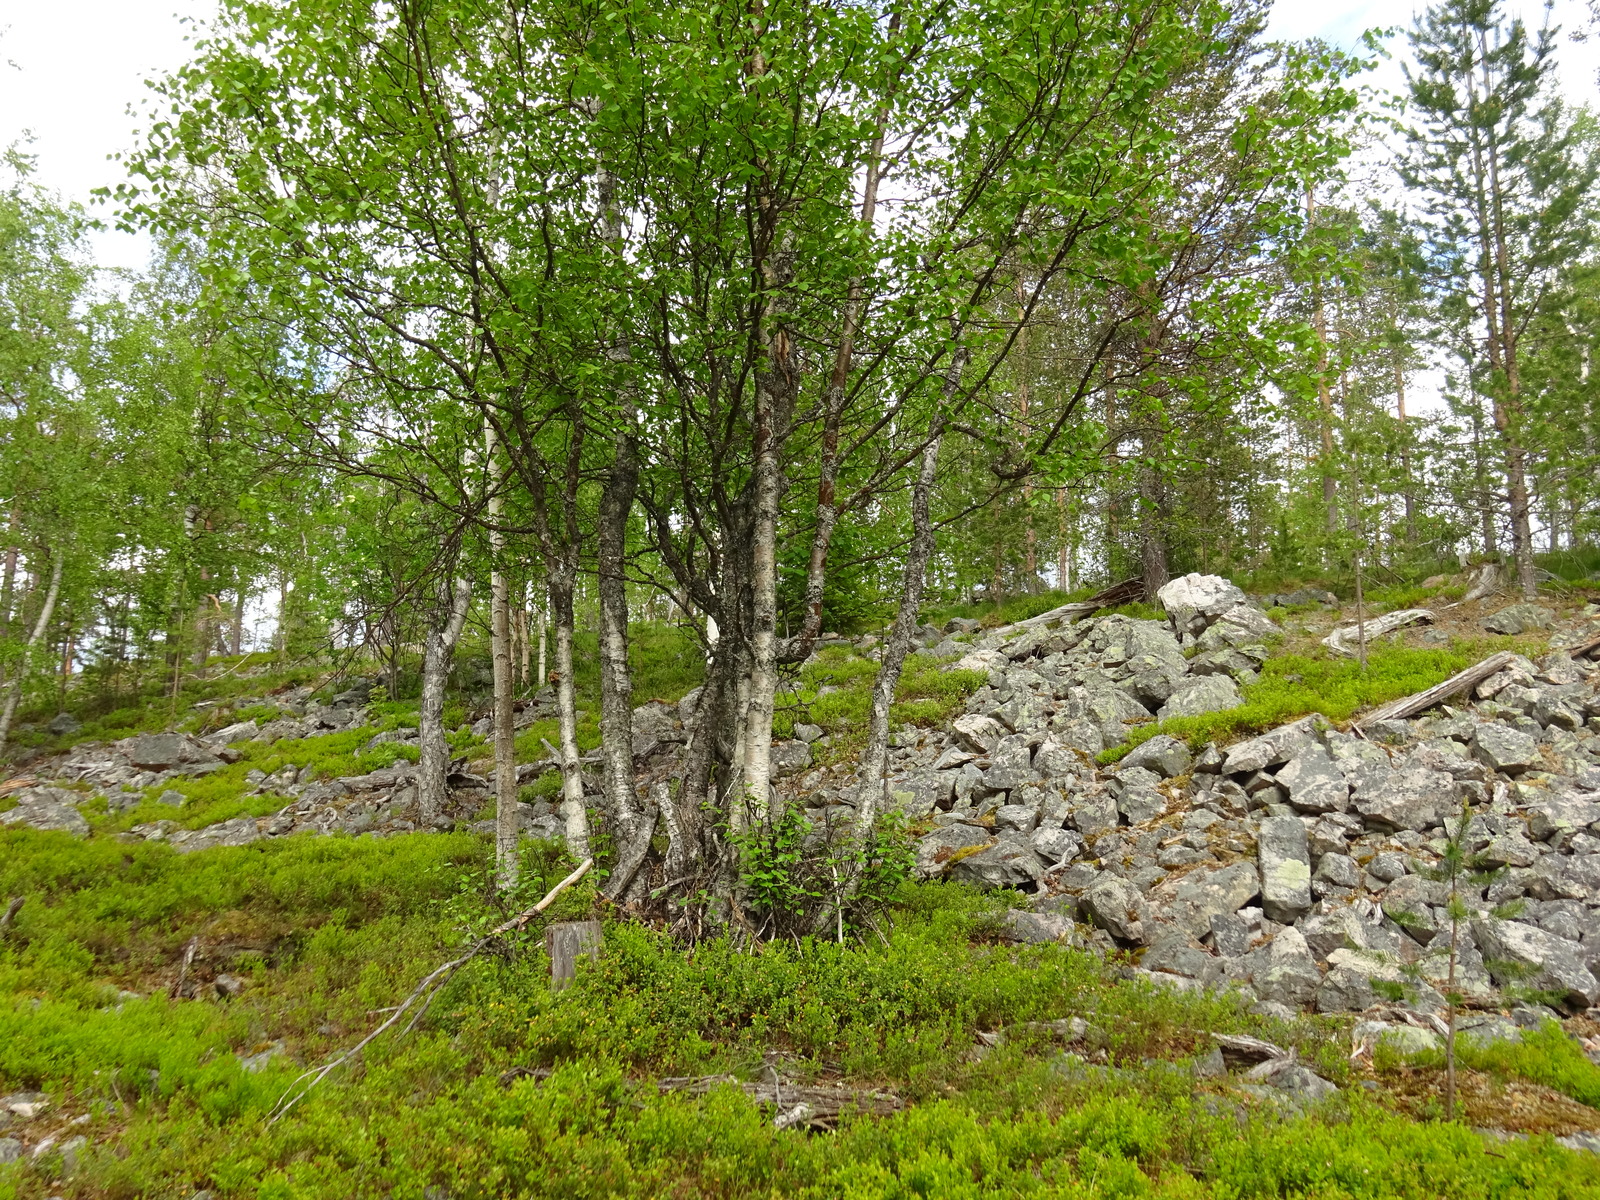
[156, 1008]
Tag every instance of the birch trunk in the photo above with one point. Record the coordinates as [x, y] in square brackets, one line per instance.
[616, 683]
[573, 812]
[14, 688]
[507, 826]
[439, 646]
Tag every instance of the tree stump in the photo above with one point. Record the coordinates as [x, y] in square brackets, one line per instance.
[565, 942]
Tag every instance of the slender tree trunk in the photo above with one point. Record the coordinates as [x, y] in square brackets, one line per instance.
[576, 817]
[1063, 543]
[544, 671]
[8, 579]
[236, 638]
[507, 824]
[438, 648]
[14, 688]
[1319, 321]
[616, 683]
[874, 759]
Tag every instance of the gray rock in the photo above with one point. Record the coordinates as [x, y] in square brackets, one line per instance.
[1056, 759]
[1197, 595]
[63, 724]
[790, 758]
[1117, 907]
[1519, 618]
[1278, 746]
[1300, 1084]
[1388, 866]
[1020, 817]
[10, 1151]
[1285, 862]
[1093, 815]
[1140, 804]
[240, 831]
[171, 797]
[936, 849]
[1056, 845]
[978, 733]
[1163, 754]
[1178, 956]
[1414, 798]
[1501, 748]
[1036, 928]
[1313, 783]
[808, 733]
[1230, 936]
[1192, 901]
[1005, 864]
[1203, 694]
[47, 808]
[921, 792]
[1340, 870]
[1547, 963]
[1287, 973]
[156, 751]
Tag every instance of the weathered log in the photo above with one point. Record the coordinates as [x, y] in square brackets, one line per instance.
[1589, 649]
[566, 942]
[1114, 596]
[1421, 702]
[1338, 641]
[815, 1106]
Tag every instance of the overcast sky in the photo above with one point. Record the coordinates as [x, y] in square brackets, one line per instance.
[70, 69]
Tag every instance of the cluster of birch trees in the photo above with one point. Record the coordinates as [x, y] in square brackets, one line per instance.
[778, 317]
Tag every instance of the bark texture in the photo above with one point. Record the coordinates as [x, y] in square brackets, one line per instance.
[14, 688]
[439, 647]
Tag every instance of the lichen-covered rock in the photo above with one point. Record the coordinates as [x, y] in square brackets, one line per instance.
[1006, 864]
[1163, 754]
[1285, 863]
[1414, 798]
[1546, 963]
[935, 851]
[1115, 906]
[1518, 619]
[1314, 783]
[1202, 694]
[1503, 749]
[48, 808]
[1276, 746]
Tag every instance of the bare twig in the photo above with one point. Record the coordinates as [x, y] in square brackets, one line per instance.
[425, 991]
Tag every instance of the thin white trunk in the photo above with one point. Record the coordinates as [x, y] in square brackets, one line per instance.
[439, 647]
[572, 809]
[14, 689]
[507, 827]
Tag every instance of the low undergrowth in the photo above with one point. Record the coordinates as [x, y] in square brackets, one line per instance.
[1293, 685]
[330, 932]
[835, 693]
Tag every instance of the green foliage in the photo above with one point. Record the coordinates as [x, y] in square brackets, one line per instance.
[1546, 1055]
[1293, 685]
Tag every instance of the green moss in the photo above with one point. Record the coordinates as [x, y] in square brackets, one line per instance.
[1293, 685]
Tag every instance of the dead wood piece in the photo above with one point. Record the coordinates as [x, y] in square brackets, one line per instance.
[566, 942]
[12, 910]
[425, 992]
[1421, 702]
[1589, 649]
[1339, 641]
[182, 981]
[1114, 596]
[1242, 1050]
[817, 1106]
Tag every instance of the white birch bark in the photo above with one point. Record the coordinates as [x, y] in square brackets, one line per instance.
[439, 647]
[507, 827]
[14, 688]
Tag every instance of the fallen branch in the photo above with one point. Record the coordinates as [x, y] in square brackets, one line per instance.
[12, 910]
[817, 1106]
[1589, 649]
[1114, 596]
[183, 969]
[1376, 628]
[424, 991]
[1421, 702]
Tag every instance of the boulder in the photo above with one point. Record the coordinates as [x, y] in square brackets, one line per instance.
[1115, 906]
[156, 751]
[1337, 870]
[1556, 816]
[1056, 845]
[790, 757]
[1196, 595]
[1544, 962]
[1193, 900]
[1163, 754]
[1006, 864]
[978, 734]
[1414, 798]
[64, 724]
[1503, 749]
[1518, 619]
[240, 831]
[1286, 972]
[1285, 863]
[1036, 929]
[921, 792]
[1278, 746]
[935, 851]
[1314, 783]
[1202, 694]
[47, 808]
